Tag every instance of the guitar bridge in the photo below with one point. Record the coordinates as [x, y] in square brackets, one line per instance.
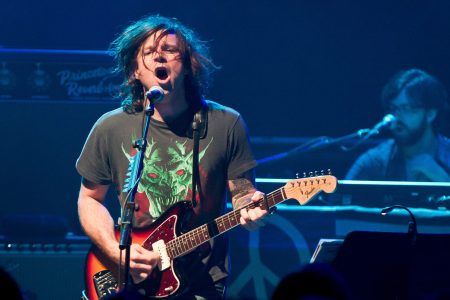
[105, 284]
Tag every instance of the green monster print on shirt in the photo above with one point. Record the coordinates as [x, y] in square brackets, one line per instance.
[166, 181]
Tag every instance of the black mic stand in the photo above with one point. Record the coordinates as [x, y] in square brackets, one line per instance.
[412, 224]
[317, 144]
[130, 204]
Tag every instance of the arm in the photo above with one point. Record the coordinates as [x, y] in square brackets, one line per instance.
[363, 169]
[98, 224]
[95, 219]
[243, 191]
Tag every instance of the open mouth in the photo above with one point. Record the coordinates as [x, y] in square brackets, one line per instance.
[161, 73]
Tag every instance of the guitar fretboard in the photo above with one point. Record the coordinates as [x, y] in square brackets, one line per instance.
[194, 238]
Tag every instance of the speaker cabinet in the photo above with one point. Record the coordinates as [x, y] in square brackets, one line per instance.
[391, 265]
[46, 271]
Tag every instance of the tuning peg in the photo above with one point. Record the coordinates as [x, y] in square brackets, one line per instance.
[297, 175]
[310, 174]
[304, 174]
[329, 171]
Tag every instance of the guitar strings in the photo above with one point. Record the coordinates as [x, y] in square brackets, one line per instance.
[190, 239]
[199, 235]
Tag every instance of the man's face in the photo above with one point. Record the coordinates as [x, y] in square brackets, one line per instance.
[411, 119]
[160, 64]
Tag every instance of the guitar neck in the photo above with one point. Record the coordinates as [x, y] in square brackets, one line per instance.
[194, 238]
[303, 190]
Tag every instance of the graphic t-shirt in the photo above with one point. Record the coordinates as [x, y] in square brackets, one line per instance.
[224, 154]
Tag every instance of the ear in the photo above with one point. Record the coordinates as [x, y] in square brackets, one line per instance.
[136, 75]
[431, 115]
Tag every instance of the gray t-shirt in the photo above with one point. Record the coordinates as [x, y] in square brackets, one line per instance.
[224, 154]
[385, 162]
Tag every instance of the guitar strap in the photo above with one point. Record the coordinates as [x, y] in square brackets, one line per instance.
[197, 132]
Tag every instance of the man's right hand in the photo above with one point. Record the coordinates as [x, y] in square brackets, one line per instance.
[142, 262]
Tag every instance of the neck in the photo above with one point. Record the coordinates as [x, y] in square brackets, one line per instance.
[426, 144]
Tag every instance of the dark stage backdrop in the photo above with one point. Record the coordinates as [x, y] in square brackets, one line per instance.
[294, 69]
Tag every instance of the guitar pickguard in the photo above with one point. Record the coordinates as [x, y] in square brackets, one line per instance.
[165, 276]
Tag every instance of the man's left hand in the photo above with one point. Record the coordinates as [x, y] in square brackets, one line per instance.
[252, 218]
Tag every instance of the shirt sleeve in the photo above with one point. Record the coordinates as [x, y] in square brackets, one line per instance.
[371, 165]
[360, 169]
[240, 155]
[93, 162]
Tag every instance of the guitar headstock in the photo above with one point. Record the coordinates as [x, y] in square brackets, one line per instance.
[304, 189]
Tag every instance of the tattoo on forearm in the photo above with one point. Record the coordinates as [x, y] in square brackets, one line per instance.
[241, 190]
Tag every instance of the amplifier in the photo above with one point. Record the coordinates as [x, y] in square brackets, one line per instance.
[46, 270]
[56, 76]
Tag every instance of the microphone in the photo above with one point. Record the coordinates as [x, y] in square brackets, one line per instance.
[387, 120]
[155, 94]
[365, 134]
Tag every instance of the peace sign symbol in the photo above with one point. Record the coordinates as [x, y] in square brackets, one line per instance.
[257, 272]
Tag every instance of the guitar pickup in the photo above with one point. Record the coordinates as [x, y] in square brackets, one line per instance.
[160, 248]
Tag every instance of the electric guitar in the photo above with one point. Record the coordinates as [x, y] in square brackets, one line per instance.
[165, 237]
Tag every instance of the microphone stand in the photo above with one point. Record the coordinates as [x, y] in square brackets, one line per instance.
[130, 205]
[412, 224]
[319, 143]
[407, 263]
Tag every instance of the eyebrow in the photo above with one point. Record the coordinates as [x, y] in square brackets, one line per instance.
[162, 45]
[166, 45]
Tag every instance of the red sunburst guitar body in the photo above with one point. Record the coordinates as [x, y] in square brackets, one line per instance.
[161, 284]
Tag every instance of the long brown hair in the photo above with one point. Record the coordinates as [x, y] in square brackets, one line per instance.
[193, 51]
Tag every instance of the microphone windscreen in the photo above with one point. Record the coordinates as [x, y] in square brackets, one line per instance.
[155, 94]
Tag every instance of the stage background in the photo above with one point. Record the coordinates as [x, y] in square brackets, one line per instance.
[296, 70]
